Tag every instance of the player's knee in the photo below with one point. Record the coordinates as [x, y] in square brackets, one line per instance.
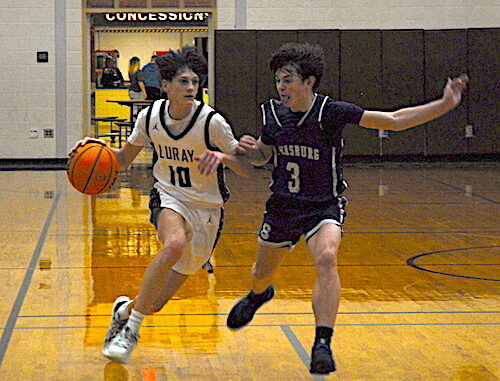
[172, 250]
[326, 259]
[176, 245]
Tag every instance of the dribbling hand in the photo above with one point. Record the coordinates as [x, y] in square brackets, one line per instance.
[81, 143]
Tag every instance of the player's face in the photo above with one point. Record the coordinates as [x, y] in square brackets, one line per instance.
[182, 88]
[294, 92]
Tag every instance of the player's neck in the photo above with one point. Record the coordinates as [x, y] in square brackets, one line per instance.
[179, 112]
[304, 105]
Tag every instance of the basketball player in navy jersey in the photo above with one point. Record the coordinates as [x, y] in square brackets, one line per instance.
[191, 143]
[302, 132]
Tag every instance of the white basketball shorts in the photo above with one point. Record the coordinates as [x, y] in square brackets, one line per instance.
[203, 226]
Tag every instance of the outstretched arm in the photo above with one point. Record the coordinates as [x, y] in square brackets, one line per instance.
[413, 116]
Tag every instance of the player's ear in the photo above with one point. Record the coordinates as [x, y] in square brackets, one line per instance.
[164, 85]
[311, 80]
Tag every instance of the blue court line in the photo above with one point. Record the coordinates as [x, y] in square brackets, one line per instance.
[277, 313]
[423, 227]
[299, 349]
[228, 230]
[255, 233]
[147, 229]
[273, 325]
[14, 313]
[458, 188]
[249, 265]
[421, 232]
[252, 231]
[411, 263]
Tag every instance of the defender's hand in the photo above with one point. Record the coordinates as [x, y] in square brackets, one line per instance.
[246, 145]
[454, 88]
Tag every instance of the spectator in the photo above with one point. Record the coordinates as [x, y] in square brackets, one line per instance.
[111, 75]
[152, 80]
[136, 89]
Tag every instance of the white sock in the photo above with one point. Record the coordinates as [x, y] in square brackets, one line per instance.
[135, 320]
[122, 312]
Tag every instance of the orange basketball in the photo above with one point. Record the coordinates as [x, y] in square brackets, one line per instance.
[92, 168]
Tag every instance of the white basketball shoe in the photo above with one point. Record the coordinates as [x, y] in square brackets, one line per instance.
[117, 321]
[121, 346]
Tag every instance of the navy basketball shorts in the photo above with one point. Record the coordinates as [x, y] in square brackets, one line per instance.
[285, 222]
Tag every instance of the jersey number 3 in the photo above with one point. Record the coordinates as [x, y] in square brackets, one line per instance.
[294, 183]
[180, 176]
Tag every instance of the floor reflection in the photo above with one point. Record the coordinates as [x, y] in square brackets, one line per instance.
[115, 372]
[92, 249]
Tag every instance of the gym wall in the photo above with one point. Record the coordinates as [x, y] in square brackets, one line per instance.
[53, 95]
[376, 69]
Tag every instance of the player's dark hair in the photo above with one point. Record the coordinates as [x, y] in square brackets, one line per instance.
[175, 61]
[308, 59]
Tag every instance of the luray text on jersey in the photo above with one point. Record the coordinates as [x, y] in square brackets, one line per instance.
[299, 151]
[174, 153]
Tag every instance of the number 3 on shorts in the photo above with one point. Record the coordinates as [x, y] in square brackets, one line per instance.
[264, 232]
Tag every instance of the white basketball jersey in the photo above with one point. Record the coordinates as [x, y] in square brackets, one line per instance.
[177, 143]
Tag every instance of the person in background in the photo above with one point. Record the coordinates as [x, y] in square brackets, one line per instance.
[111, 75]
[152, 79]
[136, 90]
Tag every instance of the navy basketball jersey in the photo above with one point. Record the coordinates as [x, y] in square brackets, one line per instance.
[308, 147]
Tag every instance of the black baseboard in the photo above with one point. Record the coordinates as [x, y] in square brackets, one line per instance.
[33, 164]
[60, 164]
[456, 158]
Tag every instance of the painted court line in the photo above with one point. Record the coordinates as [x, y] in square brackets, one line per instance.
[274, 325]
[299, 349]
[411, 262]
[14, 313]
[458, 188]
[249, 265]
[270, 313]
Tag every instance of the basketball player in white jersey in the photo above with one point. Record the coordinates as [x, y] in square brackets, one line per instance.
[191, 144]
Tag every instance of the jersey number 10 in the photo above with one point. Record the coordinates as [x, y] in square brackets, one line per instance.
[180, 176]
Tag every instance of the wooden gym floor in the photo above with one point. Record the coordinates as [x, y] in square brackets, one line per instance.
[419, 267]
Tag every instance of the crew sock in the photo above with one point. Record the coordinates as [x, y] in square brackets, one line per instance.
[135, 320]
[323, 335]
